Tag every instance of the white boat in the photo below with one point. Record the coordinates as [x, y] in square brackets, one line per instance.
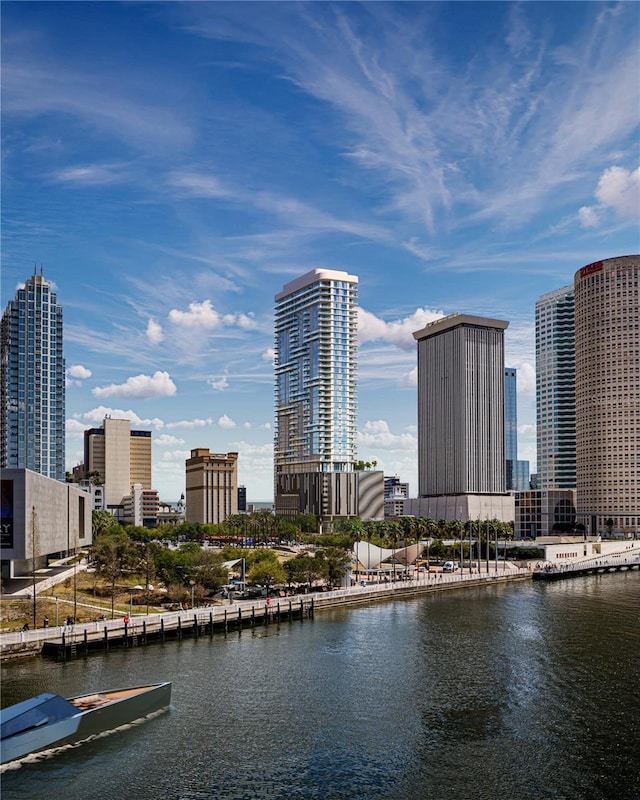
[48, 720]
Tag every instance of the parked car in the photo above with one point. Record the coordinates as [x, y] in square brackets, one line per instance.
[451, 566]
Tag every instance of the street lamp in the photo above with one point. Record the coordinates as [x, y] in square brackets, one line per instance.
[192, 583]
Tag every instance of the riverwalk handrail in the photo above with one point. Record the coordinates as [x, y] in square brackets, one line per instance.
[204, 614]
[626, 557]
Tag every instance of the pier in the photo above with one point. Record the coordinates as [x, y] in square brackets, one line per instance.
[613, 562]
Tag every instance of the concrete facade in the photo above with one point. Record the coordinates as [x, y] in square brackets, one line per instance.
[121, 456]
[331, 495]
[41, 517]
[462, 507]
[607, 342]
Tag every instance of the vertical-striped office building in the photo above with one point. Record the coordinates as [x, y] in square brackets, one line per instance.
[607, 342]
[32, 382]
[555, 390]
[461, 440]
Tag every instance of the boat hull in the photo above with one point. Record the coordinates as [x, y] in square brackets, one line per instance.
[136, 704]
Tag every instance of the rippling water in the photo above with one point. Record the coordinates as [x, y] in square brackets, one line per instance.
[515, 692]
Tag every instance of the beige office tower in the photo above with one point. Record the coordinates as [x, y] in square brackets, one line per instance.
[607, 341]
[121, 456]
[211, 486]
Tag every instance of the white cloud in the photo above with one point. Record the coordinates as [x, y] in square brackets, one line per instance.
[140, 387]
[97, 415]
[154, 332]
[269, 355]
[199, 315]
[93, 174]
[78, 371]
[226, 422]
[219, 384]
[246, 425]
[399, 332]
[191, 423]
[167, 440]
[376, 433]
[526, 429]
[176, 455]
[75, 429]
[526, 380]
[409, 379]
[619, 189]
[588, 217]
[204, 315]
[198, 184]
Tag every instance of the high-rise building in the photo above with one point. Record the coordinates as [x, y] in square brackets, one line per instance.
[120, 456]
[516, 472]
[607, 346]
[315, 444]
[211, 486]
[555, 390]
[315, 373]
[32, 382]
[461, 455]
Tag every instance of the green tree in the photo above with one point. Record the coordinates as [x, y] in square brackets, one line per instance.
[102, 521]
[335, 562]
[267, 572]
[112, 554]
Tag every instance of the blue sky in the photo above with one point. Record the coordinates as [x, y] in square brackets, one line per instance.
[173, 165]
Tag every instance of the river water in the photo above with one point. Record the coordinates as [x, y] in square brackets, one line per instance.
[514, 692]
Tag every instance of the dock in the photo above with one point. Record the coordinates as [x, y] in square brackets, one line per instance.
[614, 562]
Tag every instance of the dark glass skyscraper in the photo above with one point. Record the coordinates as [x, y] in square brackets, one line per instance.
[32, 381]
[517, 472]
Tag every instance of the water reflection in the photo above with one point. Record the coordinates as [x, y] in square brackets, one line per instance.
[528, 691]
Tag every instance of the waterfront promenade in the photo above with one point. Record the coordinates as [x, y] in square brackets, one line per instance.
[243, 613]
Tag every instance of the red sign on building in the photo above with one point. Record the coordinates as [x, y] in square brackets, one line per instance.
[591, 268]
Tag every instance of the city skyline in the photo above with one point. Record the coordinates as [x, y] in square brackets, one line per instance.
[173, 165]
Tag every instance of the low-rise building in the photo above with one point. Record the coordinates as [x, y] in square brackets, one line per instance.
[40, 518]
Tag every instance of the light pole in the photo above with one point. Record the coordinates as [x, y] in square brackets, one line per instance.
[192, 583]
[130, 604]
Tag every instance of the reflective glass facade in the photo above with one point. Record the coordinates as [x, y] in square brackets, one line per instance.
[32, 390]
[315, 373]
[555, 390]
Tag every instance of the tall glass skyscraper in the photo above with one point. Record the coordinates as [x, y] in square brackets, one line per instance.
[315, 373]
[555, 390]
[32, 382]
[517, 472]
